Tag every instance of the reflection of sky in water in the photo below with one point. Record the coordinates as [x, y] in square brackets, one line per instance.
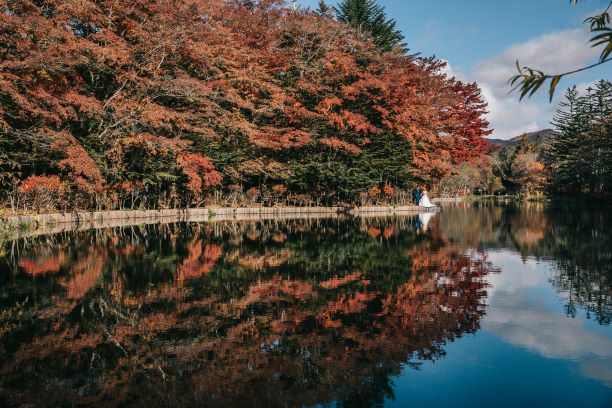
[527, 350]
[525, 310]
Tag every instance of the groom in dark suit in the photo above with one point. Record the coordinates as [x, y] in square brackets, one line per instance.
[416, 195]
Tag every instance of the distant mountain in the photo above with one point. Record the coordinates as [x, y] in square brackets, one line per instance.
[534, 137]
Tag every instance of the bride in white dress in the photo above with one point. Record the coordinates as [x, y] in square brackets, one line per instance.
[425, 201]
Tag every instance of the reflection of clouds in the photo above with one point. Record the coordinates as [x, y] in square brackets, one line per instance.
[527, 324]
[518, 315]
[516, 274]
[597, 369]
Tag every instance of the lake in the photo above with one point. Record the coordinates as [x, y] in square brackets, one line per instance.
[481, 304]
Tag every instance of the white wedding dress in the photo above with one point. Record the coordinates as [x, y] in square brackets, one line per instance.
[425, 201]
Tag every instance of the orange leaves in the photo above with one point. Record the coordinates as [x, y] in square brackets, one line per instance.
[370, 86]
[374, 192]
[279, 188]
[155, 145]
[48, 183]
[388, 190]
[336, 143]
[296, 113]
[264, 167]
[200, 171]
[336, 282]
[352, 121]
[327, 104]
[199, 262]
[279, 139]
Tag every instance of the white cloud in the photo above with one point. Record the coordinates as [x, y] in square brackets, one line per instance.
[552, 53]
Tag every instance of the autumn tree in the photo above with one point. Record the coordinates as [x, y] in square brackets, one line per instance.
[177, 103]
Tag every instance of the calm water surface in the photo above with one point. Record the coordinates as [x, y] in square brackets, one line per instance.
[479, 305]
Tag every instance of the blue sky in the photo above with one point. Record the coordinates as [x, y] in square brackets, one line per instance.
[482, 39]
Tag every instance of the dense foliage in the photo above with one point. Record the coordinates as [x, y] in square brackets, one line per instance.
[579, 155]
[109, 105]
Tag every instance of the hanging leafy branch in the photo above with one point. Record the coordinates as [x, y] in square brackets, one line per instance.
[528, 80]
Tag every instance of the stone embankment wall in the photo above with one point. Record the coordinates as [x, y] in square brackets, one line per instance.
[28, 225]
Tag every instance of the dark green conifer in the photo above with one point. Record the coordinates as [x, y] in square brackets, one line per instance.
[578, 155]
[369, 17]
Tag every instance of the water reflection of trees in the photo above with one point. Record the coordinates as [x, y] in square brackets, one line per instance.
[268, 314]
[577, 241]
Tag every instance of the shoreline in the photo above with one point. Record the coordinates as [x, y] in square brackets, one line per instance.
[21, 226]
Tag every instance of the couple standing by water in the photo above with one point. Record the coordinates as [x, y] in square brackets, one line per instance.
[419, 195]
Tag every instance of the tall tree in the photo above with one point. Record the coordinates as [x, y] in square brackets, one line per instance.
[368, 16]
[578, 154]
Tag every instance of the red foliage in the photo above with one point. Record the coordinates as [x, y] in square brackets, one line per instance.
[48, 183]
[200, 171]
[128, 87]
[199, 262]
[374, 192]
[278, 139]
[388, 190]
[336, 143]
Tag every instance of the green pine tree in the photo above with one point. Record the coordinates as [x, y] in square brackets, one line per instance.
[369, 17]
[578, 155]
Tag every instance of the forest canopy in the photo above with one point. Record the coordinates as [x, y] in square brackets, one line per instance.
[174, 103]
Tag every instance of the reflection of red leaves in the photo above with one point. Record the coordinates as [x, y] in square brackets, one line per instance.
[42, 266]
[332, 324]
[340, 323]
[84, 274]
[374, 232]
[336, 282]
[350, 304]
[279, 237]
[278, 289]
[198, 263]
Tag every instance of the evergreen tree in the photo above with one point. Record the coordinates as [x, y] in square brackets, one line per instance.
[578, 155]
[323, 8]
[561, 154]
[368, 16]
